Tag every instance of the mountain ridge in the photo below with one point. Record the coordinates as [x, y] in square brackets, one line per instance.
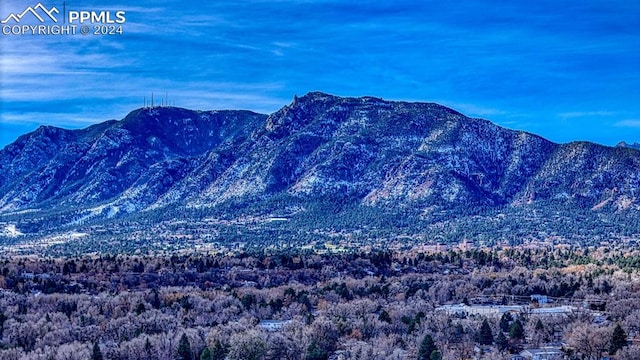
[623, 144]
[358, 153]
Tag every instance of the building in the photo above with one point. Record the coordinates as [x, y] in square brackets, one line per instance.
[540, 299]
[464, 310]
[556, 310]
[488, 310]
[272, 325]
[545, 353]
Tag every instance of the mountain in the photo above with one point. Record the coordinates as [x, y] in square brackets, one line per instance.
[635, 145]
[57, 168]
[365, 161]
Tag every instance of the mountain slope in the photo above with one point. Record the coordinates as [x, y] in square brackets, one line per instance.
[359, 154]
[623, 144]
[395, 153]
[54, 167]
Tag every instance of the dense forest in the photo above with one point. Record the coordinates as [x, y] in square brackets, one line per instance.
[418, 304]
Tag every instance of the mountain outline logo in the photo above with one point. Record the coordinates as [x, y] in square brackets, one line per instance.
[34, 12]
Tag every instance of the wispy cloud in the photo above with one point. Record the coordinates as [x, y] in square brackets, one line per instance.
[631, 123]
[474, 110]
[581, 114]
[491, 62]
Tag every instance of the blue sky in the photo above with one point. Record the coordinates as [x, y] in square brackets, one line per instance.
[567, 70]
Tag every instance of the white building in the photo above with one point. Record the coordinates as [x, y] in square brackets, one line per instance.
[498, 310]
[545, 353]
[556, 310]
[462, 309]
[272, 325]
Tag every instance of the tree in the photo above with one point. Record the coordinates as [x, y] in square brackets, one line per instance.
[505, 321]
[140, 309]
[516, 331]
[459, 343]
[3, 318]
[436, 355]
[206, 354]
[284, 347]
[458, 333]
[427, 347]
[538, 333]
[148, 349]
[629, 353]
[325, 333]
[155, 301]
[384, 316]
[249, 346]
[501, 341]
[589, 340]
[485, 336]
[618, 339]
[96, 354]
[218, 351]
[184, 348]
[316, 352]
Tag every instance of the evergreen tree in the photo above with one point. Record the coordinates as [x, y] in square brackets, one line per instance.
[539, 334]
[206, 354]
[457, 335]
[148, 348]
[218, 351]
[516, 330]
[184, 348]
[505, 321]
[501, 341]
[3, 318]
[485, 336]
[140, 309]
[316, 352]
[384, 316]
[436, 355]
[618, 340]
[427, 347]
[155, 301]
[96, 354]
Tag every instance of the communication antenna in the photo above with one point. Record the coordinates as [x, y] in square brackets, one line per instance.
[144, 103]
[152, 99]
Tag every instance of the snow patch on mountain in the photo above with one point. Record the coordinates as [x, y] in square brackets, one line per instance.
[10, 230]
